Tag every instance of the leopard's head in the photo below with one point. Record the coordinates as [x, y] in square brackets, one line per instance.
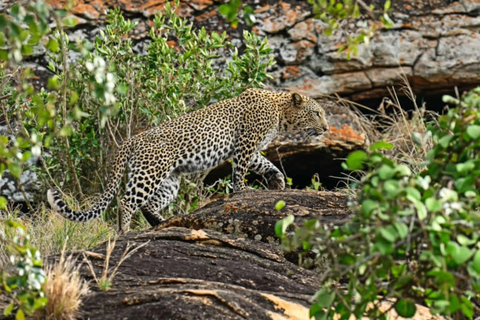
[304, 113]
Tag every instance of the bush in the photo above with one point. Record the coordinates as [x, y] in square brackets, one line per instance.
[23, 286]
[111, 93]
[414, 236]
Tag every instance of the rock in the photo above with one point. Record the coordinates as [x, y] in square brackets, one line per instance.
[180, 273]
[436, 41]
[252, 214]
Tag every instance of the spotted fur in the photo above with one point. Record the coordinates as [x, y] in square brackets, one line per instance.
[236, 128]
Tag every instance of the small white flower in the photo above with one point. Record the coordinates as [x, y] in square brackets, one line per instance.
[447, 195]
[109, 98]
[36, 151]
[99, 77]
[90, 66]
[424, 182]
[99, 62]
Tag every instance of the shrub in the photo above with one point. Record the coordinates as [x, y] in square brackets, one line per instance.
[23, 286]
[175, 75]
[111, 93]
[414, 236]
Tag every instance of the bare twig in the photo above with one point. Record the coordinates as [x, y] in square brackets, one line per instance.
[64, 99]
[5, 97]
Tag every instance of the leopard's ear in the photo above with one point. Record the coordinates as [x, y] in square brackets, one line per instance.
[297, 100]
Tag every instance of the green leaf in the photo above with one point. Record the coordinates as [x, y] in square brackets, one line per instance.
[391, 187]
[355, 160]
[465, 241]
[66, 131]
[280, 205]
[3, 202]
[403, 170]
[444, 142]
[384, 247]
[433, 205]
[466, 166]
[40, 303]
[8, 309]
[476, 262]
[20, 315]
[368, 206]
[466, 307]
[421, 210]
[15, 169]
[69, 22]
[282, 225]
[405, 308]
[473, 131]
[414, 193]
[52, 45]
[386, 6]
[454, 303]
[225, 9]
[389, 233]
[324, 298]
[460, 254]
[381, 145]
[402, 229]
[3, 22]
[386, 172]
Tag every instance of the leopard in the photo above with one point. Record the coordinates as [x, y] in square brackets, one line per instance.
[235, 129]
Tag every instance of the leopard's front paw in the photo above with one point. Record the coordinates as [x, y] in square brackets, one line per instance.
[276, 182]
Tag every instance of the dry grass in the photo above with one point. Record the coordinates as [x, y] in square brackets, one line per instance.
[406, 130]
[104, 282]
[48, 232]
[64, 289]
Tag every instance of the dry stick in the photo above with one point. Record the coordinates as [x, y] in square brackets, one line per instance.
[64, 101]
[280, 161]
[111, 133]
[50, 176]
[5, 97]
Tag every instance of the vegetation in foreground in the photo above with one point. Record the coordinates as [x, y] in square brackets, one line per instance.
[414, 237]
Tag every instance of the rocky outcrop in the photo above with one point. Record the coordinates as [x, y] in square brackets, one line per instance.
[195, 273]
[252, 214]
[180, 273]
[434, 44]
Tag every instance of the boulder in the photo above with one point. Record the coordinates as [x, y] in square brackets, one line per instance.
[180, 273]
[434, 44]
[252, 214]
[194, 273]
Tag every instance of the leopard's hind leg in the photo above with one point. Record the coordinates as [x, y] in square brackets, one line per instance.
[148, 171]
[167, 193]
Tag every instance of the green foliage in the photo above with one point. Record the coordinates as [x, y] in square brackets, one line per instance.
[414, 237]
[24, 288]
[316, 184]
[337, 14]
[20, 31]
[111, 93]
[233, 9]
[118, 93]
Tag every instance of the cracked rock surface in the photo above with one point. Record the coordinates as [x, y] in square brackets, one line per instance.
[433, 43]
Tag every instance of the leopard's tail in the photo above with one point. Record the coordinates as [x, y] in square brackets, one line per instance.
[58, 205]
